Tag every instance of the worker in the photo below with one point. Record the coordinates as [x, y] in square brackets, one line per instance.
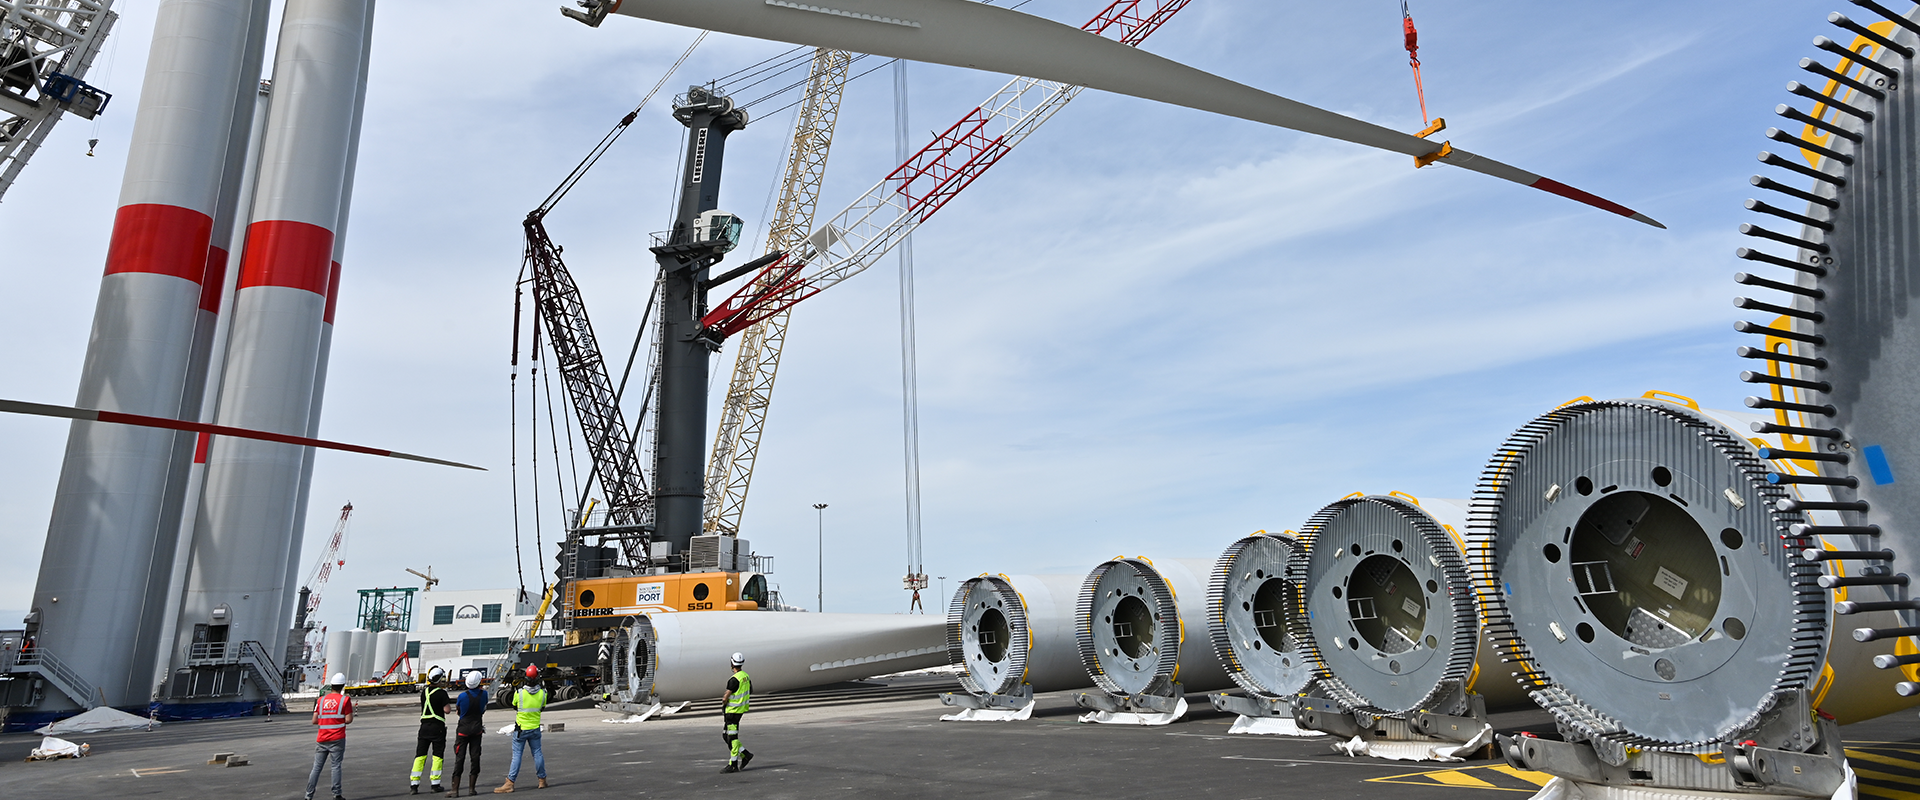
[333, 712]
[739, 690]
[466, 737]
[434, 705]
[528, 700]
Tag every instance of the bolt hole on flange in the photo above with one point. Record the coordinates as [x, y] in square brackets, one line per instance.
[1645, 569]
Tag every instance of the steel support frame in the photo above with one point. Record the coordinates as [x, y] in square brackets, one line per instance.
[41, 38]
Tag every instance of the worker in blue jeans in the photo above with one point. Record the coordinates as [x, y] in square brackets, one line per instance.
[528, 701]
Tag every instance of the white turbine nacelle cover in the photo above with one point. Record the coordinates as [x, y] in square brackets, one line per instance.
[685, 656]
[719, 227]
[1134, 617]
[1013, 631]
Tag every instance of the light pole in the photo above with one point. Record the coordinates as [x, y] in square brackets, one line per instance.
[943, 584]
[820, 557]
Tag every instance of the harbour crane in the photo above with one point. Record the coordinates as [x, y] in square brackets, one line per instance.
[317, 577]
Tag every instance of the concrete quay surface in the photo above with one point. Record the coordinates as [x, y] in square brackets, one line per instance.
[877, 739]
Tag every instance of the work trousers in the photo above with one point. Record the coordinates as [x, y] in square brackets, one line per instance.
[731, 735]
[322, 752]
[435, 742]
[467, 745]
[527, 739]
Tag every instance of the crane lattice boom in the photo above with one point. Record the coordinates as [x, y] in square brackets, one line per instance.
[856, 238]
[329, 558]
[861, 234]
[736, 443]
[46, 48]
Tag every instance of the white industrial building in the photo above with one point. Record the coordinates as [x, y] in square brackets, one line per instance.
[458, 630]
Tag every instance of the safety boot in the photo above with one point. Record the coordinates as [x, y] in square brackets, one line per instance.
[746, 757]
[505, 788]
[541, 785]
[456, 786]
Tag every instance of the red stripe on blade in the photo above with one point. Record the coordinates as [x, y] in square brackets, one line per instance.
[1556, 187]
[159, 239]
[285, 253]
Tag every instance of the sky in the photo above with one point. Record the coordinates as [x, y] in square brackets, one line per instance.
[1148, 331]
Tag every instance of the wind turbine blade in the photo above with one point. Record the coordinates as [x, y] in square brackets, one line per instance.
[964, 33]
[94, 415]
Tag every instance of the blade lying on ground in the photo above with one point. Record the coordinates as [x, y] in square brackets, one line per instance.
[962, 33]
[93, 415]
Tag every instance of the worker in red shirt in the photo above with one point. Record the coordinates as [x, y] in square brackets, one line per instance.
[333, 712]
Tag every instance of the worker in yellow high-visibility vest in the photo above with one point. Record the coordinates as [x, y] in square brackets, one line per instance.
[528, 701]
[739, 691]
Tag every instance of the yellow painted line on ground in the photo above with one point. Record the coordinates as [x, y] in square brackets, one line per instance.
[1909, 763]
[1455, 777]
[1460, 778]
[1881, 791]
[1535, 778]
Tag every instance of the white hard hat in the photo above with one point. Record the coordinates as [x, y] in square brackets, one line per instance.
[739, 658]
[473, 680]
[339, 679]
[436, 674]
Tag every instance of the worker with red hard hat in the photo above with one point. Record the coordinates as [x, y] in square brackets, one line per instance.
[333, 712]
[528, 701]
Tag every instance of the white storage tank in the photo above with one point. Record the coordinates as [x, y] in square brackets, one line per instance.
[360, 656]
[388, 647]
[339, 653]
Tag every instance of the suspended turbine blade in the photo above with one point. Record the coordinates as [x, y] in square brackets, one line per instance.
[964, 33]
[94, 415]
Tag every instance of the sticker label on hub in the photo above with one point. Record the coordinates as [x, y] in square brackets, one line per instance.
[650, 594]
[1670, 583]
[1411, 606]
[1634, 547]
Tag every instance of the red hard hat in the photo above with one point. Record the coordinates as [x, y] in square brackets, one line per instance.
[533, 671]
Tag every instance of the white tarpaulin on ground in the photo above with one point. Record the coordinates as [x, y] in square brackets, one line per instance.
[97, 720]
[51, 748]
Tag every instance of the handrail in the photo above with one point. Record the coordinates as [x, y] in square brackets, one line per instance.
[63, 676]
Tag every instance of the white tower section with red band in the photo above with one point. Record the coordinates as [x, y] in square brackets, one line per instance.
[326, 326]
[106, 532]
[244, 530]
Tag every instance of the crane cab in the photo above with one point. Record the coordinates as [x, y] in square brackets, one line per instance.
[604, 602]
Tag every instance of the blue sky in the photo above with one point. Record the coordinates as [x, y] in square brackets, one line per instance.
[1148, 331]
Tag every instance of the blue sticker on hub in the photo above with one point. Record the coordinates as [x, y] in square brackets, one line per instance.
[1877, 464]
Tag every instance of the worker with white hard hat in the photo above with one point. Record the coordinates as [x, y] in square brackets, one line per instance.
[467, 737]
[333, 712]
[434, 705]
[734, 703]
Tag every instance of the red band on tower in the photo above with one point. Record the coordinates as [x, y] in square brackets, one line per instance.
[296, 255]
[159, 239]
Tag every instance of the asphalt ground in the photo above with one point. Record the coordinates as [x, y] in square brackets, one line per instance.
[869, 740]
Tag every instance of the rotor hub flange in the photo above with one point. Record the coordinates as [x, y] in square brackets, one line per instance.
[988, 636]
[1251, 604]
[1129, 629]
[1390, 617]
[1637, 567]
